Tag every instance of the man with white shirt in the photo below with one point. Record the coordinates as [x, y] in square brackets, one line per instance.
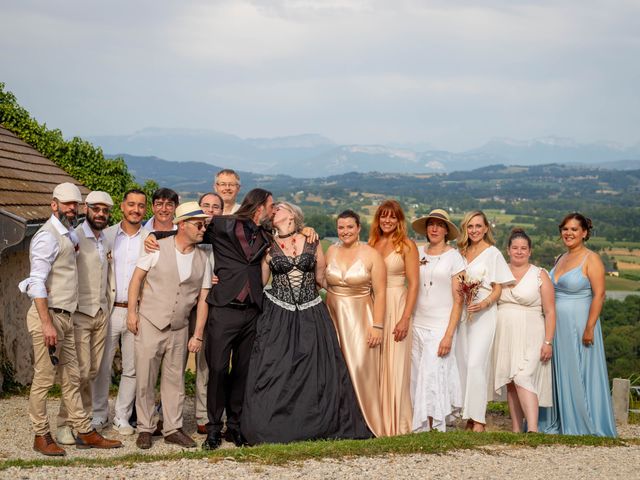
[94, 305]
[126, 242]
[53, 287]
[227, 185]
[163, 203]
[176, 278]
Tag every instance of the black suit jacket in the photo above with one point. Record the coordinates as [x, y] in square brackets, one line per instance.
[232, 267]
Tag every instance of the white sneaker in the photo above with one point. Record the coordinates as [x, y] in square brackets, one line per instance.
[64, 436]
[99, 425]
[123, 428]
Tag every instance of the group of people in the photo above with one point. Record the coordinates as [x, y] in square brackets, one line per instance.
[407, 338]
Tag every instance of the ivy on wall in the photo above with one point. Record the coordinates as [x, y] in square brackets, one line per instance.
[79, 158]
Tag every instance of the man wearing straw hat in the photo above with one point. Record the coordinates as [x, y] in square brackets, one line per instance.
[53, 287]
[176, 277]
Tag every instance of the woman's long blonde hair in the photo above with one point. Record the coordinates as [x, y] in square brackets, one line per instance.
[463, 239]
[399, 237]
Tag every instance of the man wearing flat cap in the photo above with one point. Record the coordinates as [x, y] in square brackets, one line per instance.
[176, 277]
[94, 302]
[53, 287]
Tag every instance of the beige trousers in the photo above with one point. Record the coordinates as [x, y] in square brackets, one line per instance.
[44, 373]
[154, 347]
[202, 374]
[90, 334]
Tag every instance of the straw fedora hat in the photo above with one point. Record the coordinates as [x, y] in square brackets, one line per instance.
[420, 225]
[189, 210]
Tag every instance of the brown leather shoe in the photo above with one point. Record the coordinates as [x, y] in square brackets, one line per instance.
[144, 440]
[202, 430]
[93, 439]
[158, 431]
[46, 445]
[180, 438]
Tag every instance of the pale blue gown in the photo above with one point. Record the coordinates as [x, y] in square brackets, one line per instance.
[581, 397]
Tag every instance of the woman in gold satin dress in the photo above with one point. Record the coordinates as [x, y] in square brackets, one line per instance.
[356, 289]
[389, 237]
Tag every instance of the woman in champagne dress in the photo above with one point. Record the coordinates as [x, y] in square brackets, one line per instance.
[389, 237]
[581, 398]
[484, 263]
[356, 289]
[524, 336]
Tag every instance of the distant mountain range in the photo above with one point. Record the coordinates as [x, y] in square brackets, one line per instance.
[311, 155]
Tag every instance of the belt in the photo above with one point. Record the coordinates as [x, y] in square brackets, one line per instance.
[121, 304]
[61, 310]
[239, 305]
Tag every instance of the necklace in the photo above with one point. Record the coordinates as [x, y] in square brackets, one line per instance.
[432, 272]
[291, 233]
[293, 244]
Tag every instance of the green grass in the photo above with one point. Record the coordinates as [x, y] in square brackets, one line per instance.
[618, 283]
[423, 443]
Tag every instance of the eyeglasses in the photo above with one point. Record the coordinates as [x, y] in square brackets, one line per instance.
[164, 204]
[226, 184]
[211, 206]
[52, 355]
[96, 209]
[198, 225]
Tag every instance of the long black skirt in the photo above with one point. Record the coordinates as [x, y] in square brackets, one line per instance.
[298, 385]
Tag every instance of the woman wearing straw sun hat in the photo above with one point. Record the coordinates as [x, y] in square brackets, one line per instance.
[435, 381]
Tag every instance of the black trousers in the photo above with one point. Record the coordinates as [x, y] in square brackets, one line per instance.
[230, 334]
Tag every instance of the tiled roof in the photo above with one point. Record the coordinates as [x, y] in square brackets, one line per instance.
[27, 179]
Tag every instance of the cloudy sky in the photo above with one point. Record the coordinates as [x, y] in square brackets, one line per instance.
[452, 74]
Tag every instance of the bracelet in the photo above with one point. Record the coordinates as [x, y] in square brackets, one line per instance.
[546, 342]
[199, 339]
[380, 327]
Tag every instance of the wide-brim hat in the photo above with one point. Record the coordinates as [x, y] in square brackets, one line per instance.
[188, 210]
[420, 225]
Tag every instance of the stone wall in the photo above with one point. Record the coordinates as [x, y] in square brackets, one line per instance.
[15, 341]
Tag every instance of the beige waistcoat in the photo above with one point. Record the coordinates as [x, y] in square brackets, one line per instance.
[92, 276]
[165, 300]
[62, 282]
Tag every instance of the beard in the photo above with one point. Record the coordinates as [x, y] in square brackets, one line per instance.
[67, 221]
[97, 225]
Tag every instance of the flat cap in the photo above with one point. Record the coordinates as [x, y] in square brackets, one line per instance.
[99, 197]
[67, 192]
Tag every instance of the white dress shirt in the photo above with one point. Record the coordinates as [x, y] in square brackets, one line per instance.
[150, 225]
[88, 233]
[44, 250]
[126, 251]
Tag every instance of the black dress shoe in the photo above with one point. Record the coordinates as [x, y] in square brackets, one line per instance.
[213, 441]
[235, 437]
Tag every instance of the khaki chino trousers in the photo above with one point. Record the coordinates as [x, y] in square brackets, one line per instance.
[44, 373]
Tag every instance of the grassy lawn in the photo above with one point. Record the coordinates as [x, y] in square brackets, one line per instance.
[617, 283]
[423, 443]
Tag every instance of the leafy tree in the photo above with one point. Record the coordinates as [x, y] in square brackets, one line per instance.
[77, 157]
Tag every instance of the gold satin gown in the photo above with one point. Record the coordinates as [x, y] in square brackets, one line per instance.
[396, 356]
[351, 307]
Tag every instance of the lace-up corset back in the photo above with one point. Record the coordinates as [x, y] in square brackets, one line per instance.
[293, 278]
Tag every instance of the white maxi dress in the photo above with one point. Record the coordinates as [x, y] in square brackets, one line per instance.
[476, 334]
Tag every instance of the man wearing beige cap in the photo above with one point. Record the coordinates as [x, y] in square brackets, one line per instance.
[94, 303]
[176, 277]
[53, 287]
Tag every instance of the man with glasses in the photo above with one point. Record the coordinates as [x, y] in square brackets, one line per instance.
[176, 277]
[163, 203]
[227, 185]
[53, 287]
[90, 318]
[125, 240]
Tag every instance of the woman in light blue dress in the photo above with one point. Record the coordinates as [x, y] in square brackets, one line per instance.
[581, 398]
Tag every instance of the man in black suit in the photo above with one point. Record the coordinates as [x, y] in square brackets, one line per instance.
[239, 243]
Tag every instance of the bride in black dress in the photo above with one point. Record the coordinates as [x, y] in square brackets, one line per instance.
[298, 386]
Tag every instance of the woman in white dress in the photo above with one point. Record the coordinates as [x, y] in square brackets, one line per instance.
[485, 263]
[523, 345]
[435, 381]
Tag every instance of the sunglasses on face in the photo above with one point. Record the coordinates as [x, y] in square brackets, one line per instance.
[95, 209]
[198, 225]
